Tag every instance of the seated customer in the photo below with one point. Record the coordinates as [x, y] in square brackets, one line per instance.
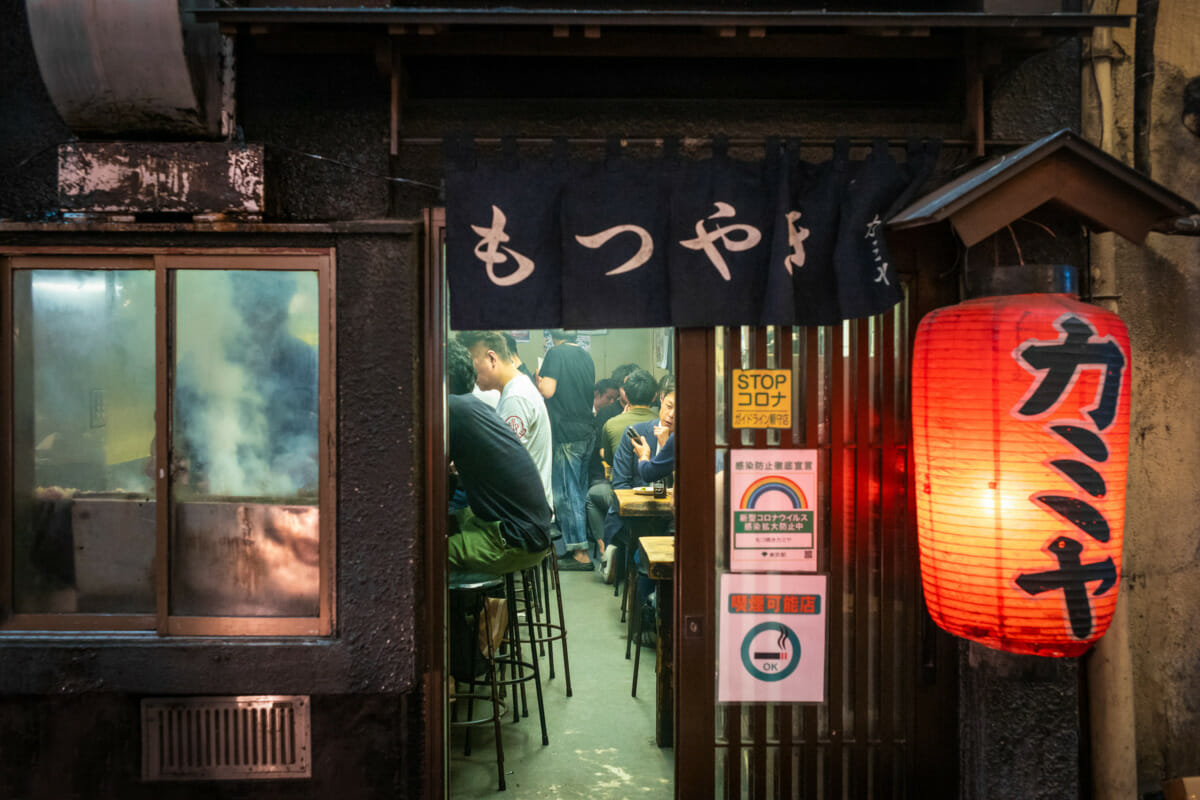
[506, 524]
[605, 392]
[648, 435]
[658, 463]
[655, 456]
[619, 405]
[640, 385]
[640, 388]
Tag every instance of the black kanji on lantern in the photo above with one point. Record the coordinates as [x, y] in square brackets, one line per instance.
[1057, 365]
[1084, 440]
[1078, 513]
[1082, 475]
[1072, 577]
[1062, 359]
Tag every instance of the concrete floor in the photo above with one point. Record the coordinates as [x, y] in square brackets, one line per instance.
[601, 739]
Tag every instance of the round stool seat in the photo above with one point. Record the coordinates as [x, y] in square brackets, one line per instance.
[472, 581]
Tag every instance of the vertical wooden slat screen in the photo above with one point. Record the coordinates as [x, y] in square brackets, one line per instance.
[758, 712]
[785, 752]
[839, 527]
[860, 410]
[733, 711]
[813, 371]
[850, 404]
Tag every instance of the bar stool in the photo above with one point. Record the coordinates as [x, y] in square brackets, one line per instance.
[471, 587]
[636, 634]
[513, 656]
[548, 630]
[633, 533]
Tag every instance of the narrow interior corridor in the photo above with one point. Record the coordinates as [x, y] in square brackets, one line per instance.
[601, 739]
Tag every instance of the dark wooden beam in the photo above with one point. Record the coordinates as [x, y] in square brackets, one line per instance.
[1073, 23]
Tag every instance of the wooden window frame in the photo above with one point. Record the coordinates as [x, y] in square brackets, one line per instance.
[163, 262]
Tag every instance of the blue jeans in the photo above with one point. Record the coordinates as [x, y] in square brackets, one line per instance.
[569, 476]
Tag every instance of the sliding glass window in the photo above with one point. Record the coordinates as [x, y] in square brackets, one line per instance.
[171, 429]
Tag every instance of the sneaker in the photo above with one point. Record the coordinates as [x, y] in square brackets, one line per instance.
[608, 564]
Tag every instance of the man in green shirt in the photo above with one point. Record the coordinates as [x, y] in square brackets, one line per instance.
[640, 390]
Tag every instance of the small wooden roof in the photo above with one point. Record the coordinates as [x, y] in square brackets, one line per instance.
[1062, 169]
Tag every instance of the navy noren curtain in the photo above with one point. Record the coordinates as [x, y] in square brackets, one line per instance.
[623, 243]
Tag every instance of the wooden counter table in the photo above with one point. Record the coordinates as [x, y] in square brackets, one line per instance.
[643, 514]
[636, 504]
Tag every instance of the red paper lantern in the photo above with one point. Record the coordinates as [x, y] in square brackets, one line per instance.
[1020, 441]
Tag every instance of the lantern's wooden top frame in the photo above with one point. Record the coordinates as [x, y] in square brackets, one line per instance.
[1061, 169]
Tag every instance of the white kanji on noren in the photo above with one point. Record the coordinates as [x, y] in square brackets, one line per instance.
[645, 248]
[796, 236]
[488, 248]
[706, 240]
[881, 266]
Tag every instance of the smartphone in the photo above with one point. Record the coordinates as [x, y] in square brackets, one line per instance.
[632, 433]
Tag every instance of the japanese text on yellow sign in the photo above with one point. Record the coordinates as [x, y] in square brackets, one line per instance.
[762, 398]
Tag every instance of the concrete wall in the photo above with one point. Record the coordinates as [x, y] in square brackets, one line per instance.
[69, 714]
[30, 128]
[86, 746]
[72, 711]
[1159, 289]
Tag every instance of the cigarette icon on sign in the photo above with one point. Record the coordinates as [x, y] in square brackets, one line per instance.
[765, 663]
[781, 653]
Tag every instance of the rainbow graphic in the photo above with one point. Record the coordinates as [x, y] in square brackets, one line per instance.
[773, 483]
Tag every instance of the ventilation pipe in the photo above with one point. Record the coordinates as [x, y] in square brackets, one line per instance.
[142, 69]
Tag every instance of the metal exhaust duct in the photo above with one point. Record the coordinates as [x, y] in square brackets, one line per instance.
[117, 68]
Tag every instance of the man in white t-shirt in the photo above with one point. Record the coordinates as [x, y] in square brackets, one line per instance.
[521, 406]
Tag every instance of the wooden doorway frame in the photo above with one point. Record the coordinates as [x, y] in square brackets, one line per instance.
[694, 590]
[695, 564]
[436, 751]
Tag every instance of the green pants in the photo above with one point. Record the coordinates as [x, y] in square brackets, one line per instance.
[480, 547]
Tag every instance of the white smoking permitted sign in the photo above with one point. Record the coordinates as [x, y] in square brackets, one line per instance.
[773, 520]
[772, 638]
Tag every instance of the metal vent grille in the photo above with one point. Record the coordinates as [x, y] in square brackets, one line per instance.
[224, 738]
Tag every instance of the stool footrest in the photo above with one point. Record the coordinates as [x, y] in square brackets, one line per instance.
[502, 709]
[553, 633]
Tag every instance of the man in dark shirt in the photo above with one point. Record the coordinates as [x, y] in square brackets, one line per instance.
[506, 525]
[603, 414]
[565, 380]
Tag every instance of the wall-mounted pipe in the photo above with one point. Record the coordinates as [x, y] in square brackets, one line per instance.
[1143, 82]
[1109, 664]
[1180, 226]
